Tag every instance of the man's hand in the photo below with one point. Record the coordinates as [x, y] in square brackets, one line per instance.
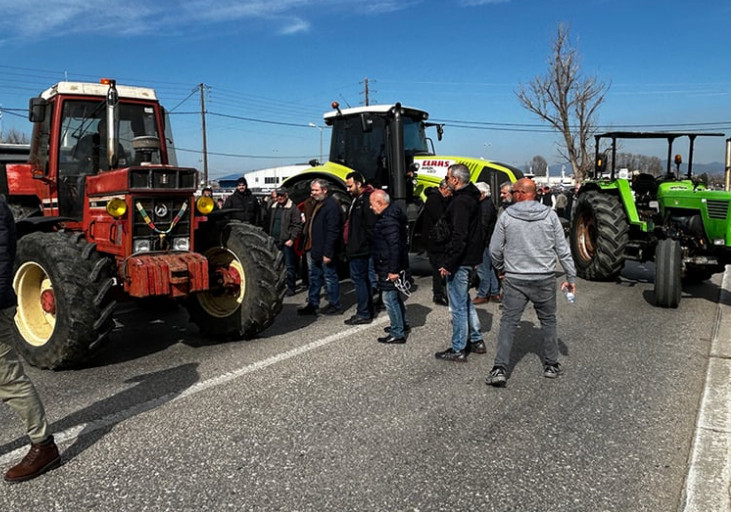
[326, 260]
[568, 286]
[444, 272]
[289, 243]
[392, 277]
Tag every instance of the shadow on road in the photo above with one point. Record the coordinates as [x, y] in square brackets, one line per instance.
[528, 340]
[152, 391]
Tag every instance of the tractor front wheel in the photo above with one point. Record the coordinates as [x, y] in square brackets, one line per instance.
[599, 235]
[64, 309]
[246, 284]
[667, 273]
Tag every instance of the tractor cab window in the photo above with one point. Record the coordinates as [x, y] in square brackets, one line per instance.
[362, 151]
[82, 146]
[415, 138]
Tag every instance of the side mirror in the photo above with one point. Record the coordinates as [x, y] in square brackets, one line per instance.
[600, 166]
[440, 131]
[366, 122]
[37, 110]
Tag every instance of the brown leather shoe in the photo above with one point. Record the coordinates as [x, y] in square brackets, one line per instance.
[496, 298]
[42, 457]
[480, 300]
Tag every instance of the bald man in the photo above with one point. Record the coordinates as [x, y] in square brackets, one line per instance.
[527, 239]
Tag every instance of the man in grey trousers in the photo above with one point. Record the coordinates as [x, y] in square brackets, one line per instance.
[524, 246]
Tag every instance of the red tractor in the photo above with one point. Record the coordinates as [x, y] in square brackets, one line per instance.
[104, 213]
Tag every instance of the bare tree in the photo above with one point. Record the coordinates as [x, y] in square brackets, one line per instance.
[538, 165]
[13, 136]
[568, 101]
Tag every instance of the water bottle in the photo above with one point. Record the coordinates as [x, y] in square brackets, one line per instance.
[570, 297]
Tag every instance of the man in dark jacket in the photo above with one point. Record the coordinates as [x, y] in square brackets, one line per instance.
[437, 199]
[390, 258]
[463, 254]
[285, 225]
[16, 389]
[243, 203]
[322, 234]
[358, 236]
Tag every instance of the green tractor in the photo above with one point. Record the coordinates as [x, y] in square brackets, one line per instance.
[674, 220]
[389, 146]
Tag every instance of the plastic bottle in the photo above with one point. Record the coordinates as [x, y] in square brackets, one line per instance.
[570, 297]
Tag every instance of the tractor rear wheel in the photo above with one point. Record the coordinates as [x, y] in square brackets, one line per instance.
[64, 309]
[599, 235]
[246, 284]
[668, 286]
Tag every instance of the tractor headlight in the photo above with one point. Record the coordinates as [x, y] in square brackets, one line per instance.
[719, 241]
[142, 245]
[181, 243]
[116, 207]
[204, 205]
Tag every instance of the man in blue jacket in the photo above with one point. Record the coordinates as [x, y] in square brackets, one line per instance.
[16, 389]
[463, 253]
[390, 259]
[527, 239]
[322, 236]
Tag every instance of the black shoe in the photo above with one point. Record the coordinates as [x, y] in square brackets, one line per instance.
[331, 310]
[407, 329]
[357, 320]
[458, 356]
[309, 309]
[289, 293]
[476, 347]
[391, 340]
[496, 377]
[441, 300]
[551, 371]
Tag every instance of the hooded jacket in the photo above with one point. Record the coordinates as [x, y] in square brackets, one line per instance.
[527, 239]
[390, 254]
[466, 245]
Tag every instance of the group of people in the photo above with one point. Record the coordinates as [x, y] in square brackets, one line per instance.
[520, 240]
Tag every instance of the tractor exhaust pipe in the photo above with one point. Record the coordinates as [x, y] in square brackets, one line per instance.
[727, 167]
[112, 124]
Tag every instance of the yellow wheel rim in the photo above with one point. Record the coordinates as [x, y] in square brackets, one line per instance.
[34, 322]
[221, 303]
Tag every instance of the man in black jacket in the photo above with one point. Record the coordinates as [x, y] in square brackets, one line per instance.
[243, 203]
[322, 234]
[464, 252]
[16, 389]
[437, 199]
[391, 259]
[285, 225]
[358, 235]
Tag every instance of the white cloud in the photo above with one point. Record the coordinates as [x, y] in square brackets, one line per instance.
[45, 19]
[475, 3]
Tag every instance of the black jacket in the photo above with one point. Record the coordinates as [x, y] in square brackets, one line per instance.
[245, 206]
[466, 245]
[488, 217]
[359, 226]
[390, 255]
[434, 208]
[7, 256]
[325, 229]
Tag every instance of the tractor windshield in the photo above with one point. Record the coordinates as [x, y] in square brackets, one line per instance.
[367, 152]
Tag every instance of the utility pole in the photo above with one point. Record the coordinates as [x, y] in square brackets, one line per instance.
[205, 143]
[367, 91]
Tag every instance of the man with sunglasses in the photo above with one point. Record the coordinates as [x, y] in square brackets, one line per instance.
[524, 246]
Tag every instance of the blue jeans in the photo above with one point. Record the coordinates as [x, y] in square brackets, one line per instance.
[465, 323]
[516, 294]
[320, 274]
[362, 284]
[489, 284]
[290, 262]
[396, 312]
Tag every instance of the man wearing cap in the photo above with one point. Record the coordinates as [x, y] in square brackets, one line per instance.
[243, 203]
[284, 226]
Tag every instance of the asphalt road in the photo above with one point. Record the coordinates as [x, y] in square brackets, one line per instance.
[318, 416]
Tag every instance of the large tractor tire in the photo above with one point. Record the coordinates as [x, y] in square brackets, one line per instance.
[668, 286]
[247, 284]
[64, 305]
[599, 235]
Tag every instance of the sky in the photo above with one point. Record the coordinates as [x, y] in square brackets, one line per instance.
[271, 68]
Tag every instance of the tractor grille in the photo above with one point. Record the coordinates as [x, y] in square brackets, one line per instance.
[141, 177]
[717, 209]
[161, 212]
